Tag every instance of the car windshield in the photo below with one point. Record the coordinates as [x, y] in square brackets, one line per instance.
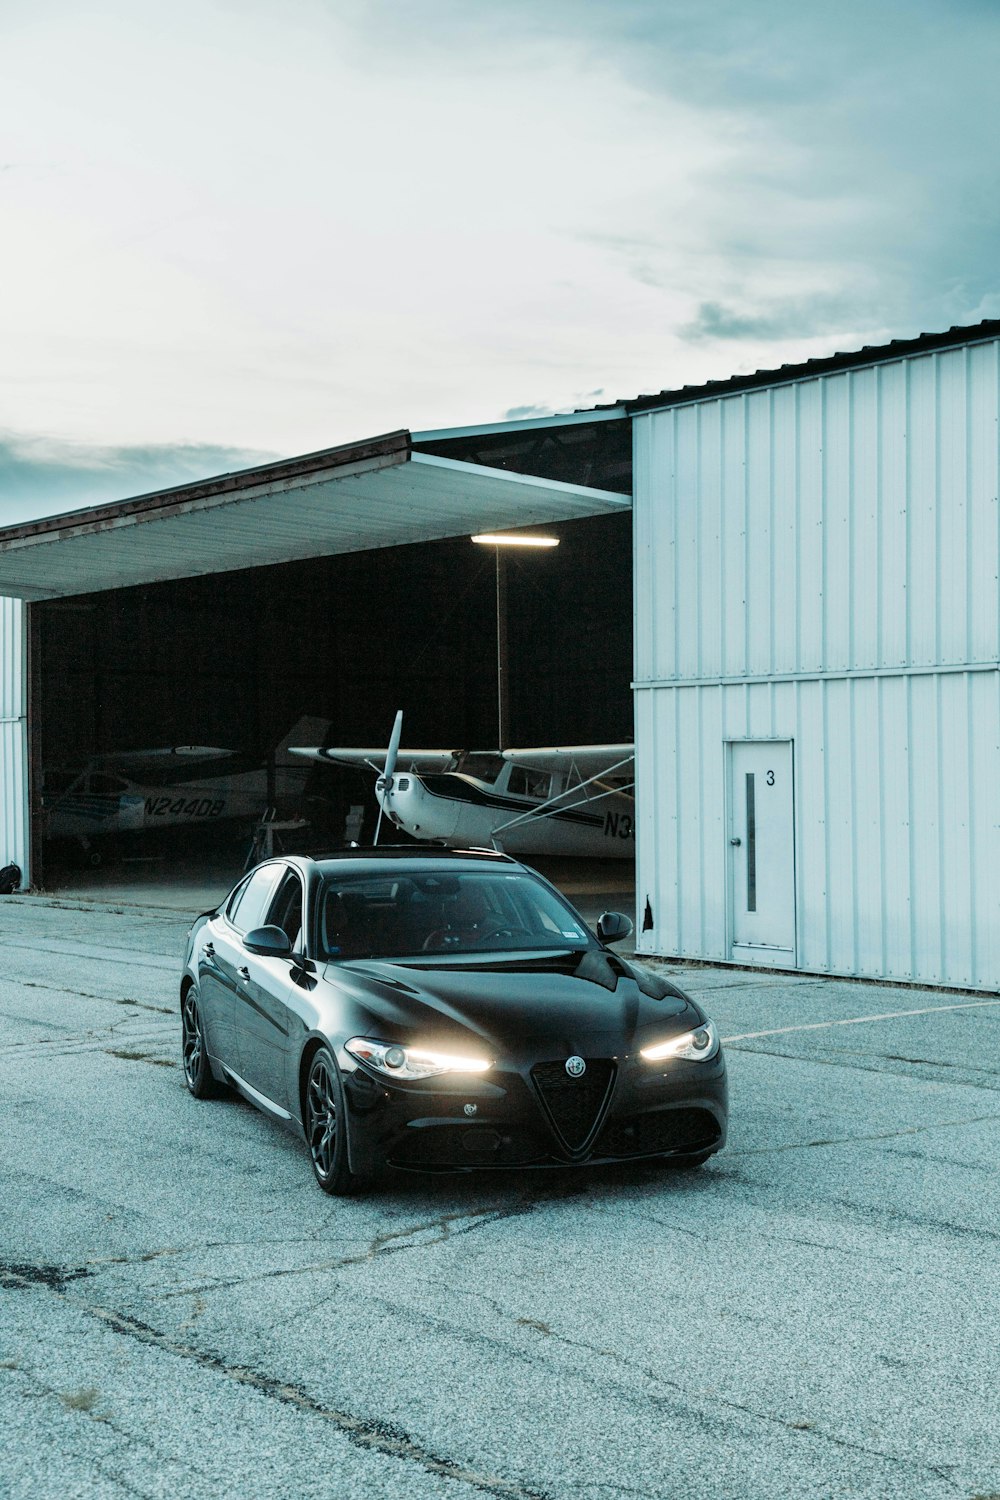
[399, 914]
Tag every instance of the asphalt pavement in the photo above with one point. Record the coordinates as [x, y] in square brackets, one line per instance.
[183, 1313]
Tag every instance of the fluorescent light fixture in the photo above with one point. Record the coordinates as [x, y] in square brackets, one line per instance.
[498, 539]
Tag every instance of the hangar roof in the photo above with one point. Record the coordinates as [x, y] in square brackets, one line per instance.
[378, 493]
[811, 369]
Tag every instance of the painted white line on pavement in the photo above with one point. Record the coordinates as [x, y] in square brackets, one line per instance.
[889, 1015]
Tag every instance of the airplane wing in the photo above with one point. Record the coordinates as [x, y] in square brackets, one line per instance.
[586, 760]
[159, 758]
[407, 760]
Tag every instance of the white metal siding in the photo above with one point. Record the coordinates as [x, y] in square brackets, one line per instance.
[897, 813]
[819, 562]
[843, 523]
[13, 738]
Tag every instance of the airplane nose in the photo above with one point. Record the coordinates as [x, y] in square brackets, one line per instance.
[414, 808]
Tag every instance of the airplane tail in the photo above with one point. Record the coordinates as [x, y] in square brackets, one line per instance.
[305, 731]
[291, 773]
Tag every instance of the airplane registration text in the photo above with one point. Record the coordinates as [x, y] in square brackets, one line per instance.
[204, 807]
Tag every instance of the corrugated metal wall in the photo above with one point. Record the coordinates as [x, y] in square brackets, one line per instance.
[897, 815]
[848, 522]
[13, 738]
[819, 563]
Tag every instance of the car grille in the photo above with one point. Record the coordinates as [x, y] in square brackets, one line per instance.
[662, 1130]
[574, 1105]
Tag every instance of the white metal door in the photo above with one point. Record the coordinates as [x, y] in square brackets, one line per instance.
[15, 762]
[762, 851]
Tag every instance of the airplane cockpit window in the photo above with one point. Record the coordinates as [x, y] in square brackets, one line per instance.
[524, 782]
[58, 783]
[107, 786]
[482, 765]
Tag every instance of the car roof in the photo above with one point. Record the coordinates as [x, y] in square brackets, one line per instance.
[406, 856]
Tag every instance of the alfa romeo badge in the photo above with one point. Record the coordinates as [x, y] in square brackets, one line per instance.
[575, 1067]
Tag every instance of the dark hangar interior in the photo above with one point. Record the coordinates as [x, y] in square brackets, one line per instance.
[234, 659]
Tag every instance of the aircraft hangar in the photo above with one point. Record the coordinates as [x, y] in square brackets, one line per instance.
[816, 614]
[323, 592]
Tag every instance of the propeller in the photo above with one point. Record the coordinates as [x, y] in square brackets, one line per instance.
[384, 782]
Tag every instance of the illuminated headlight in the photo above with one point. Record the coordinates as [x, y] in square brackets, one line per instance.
[395, 1061]
[693, 1046]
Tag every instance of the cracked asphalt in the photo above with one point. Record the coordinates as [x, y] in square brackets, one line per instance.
[184, 1314]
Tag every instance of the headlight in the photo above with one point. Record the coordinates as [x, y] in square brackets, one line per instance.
[693, 1046]
[395, 1061]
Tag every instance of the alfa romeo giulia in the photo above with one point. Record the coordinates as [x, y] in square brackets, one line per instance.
[436, 1009]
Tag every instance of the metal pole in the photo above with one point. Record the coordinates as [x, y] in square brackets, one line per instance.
[503, 688]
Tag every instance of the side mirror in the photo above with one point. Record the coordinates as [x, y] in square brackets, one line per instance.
[269, 942]
[613, 926]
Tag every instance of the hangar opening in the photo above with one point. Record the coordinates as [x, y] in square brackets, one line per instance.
[312, 597]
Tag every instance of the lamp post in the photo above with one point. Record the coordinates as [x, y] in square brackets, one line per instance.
[498, 541]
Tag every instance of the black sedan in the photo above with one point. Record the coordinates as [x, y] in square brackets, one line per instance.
[442, 1010]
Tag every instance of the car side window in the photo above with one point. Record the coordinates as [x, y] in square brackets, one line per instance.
[236, 898]
[248, 912]
[286, 908]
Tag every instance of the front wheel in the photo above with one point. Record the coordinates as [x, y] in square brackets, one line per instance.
[197, 1068]
[326, 1126]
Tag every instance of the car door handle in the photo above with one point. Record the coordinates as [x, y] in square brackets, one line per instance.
[245, 975]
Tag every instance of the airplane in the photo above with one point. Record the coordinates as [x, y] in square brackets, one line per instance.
[136, 791]
[575, 800]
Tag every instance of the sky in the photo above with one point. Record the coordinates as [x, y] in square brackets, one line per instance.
[233, 230]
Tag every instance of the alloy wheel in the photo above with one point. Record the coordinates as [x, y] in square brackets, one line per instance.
[321, 1102]
[192, 1040]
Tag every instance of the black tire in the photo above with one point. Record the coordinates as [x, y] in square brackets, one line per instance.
[194, 1053]
[325, 1119]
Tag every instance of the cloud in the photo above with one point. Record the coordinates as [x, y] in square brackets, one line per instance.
[544, 199]
[794, 318]
[523, 413]
[40, 477]
[860, 187]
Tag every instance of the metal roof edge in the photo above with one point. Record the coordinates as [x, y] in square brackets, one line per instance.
[397, 445]
[529, 424]
[812, 369]
[513, 476]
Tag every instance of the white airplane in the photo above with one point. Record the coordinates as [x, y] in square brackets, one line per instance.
[566, 800]
[134, 791]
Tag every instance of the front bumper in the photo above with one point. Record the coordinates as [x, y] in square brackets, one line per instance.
[466, 1123]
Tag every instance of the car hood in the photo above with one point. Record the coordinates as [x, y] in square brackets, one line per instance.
[590, 1002]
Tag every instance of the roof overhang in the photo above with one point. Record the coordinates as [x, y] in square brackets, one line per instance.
[523, 425]
[351, 499]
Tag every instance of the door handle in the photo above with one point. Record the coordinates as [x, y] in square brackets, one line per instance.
[245, 975]
[736, 842]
